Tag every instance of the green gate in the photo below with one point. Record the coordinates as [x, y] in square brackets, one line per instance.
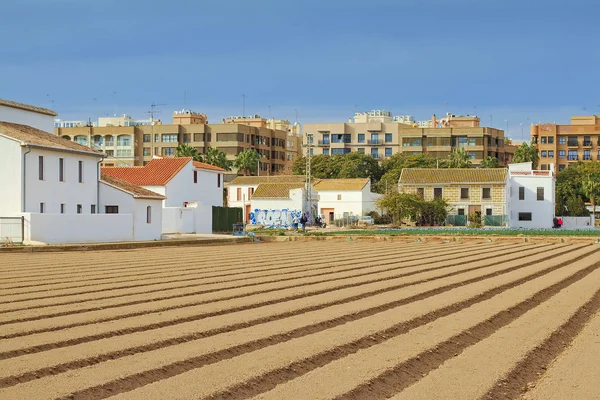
[223, 218]
[456, 220]
[494, 220]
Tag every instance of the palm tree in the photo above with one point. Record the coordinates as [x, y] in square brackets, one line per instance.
[526, 153]
[459, 158]
[490, 162]
[247, 161]
[185, 150]
[217, 158]
[591, 188]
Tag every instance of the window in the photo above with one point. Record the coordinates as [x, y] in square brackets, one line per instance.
[147, 138]
[111, 209]
[218, 180]
[550, 153]
[587, 155]
[168, 151]
[464, 193]
[561, 167]
[146, 151]
[562, 140]
[80, 170]
[326, 152]
[572, 156]
[375, 153]
[239, 194]
[195, 176]
[461, 211]
[525, 216]
[79, 208]
[156, 138]
[168, 138]
[572, 141]
[540, 194]
[544, 139]
[42, 208]
[148, 215]
[93, 209]
[339, 196]
[361, 150]
[421, 192]
[544, 154]
[521, 193]
[587, 140]
[41, 167]
[250, 193]
[325, 138]
[544, 167]
[388, 138]
[388, 151]
[437, 193]
[562, 154]
[361, 138]
[63, 207]
[488, 211]
[550, 139]
[61, 169]
[486, 193]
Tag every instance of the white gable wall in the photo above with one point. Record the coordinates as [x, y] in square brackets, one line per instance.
[182, 188]
[11, 166]
[232, 195]
[33, 119]
[542, 211]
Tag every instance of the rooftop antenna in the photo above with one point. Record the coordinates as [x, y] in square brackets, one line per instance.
[153, 110]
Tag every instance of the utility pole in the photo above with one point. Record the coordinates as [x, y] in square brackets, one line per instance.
[309, 148]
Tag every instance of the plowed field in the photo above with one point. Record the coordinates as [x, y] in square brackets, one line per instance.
[303, 320]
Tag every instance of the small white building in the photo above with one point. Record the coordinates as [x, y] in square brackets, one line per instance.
[121, 197]
[274, 205]
[530, 202]
[343, 198]
[190, 188]
[25, 114]
[241, 189]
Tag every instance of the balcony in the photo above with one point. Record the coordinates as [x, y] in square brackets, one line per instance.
[109, 143]
[324, 143]
[375, 142]
[571, 143]
[587, 143]
[587, 157]
[573, 158]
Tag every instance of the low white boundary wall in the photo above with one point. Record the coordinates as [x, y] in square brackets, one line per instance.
[577, 223]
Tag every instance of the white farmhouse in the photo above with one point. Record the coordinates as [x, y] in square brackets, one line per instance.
[241, 189]
[121, 197]
[190, 188]
[274, 205]
[25, 114]
[342, 198]
[530, 202]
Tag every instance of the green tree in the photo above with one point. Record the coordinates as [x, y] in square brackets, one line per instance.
[299, 166]
[356, 165]
[591, 188]
[459, 158]
[402, 206]
[490, 162]
[185, 150]
[217, 158]
[393, 166]
[247, 161]
[525, 153]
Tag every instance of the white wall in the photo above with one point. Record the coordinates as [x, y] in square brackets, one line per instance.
[351, 202]
[203, 214]
[232, 200]
[542, 211]
[577, 223]
[142, 230]
[51, 191]
[10, 177]
[78, 228]
[183, 189]
[33, 119]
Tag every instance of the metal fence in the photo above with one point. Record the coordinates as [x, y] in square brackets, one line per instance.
[12, 229]
[456, 220]
[223, 218]
[494, 220]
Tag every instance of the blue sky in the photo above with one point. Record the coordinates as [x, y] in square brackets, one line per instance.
[518, 61]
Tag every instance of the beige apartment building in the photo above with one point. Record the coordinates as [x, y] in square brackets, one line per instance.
[562, 145]
[136, 145]
[379, 134]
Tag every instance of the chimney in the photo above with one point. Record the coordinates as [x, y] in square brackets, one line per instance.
[433, 121]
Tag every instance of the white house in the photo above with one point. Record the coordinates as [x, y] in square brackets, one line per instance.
[190, 188]
[342, 198]
[274, 205]
[118, 196]
[241, 189]
[25, 114]
[530, 201]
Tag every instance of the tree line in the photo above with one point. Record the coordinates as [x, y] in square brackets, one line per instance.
[246, 161]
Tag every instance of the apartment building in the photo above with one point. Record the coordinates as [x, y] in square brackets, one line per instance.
[381, 135]
[137, 144]
[562, 145]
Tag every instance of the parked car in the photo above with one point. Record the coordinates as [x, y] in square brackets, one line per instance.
[367, 220]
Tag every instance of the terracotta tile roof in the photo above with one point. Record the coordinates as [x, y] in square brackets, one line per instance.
[452, 175]
[27, 107]
[157, 172]
[136, 191]
[39, 138]
[255, 180]
[276, 190]
[341, 184]
[202, 165]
